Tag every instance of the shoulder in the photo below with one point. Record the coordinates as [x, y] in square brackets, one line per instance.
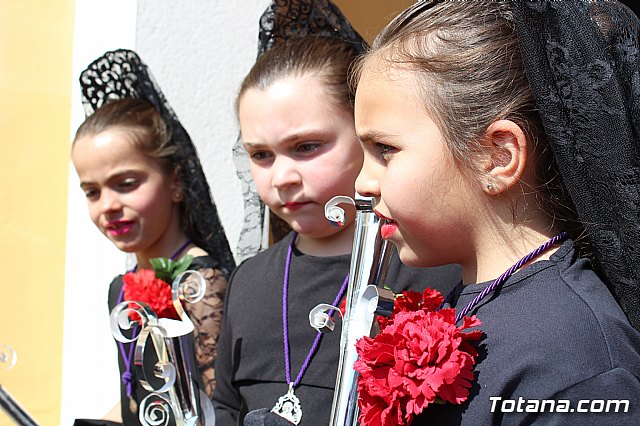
[568, 320]
[205, 263]
[264, 260]
[114, 291]
[594, 316]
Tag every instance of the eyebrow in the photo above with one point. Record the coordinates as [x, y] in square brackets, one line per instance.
[294, 137]
[116, 175]
[371, 136]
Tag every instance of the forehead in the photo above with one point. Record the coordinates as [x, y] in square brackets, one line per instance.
[382, 85]
[288, 106]
[108, 150]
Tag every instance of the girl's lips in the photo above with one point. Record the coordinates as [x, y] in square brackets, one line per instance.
[294, 205]
[388, 229]
[117, 229]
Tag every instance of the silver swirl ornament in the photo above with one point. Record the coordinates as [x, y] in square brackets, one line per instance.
[172, 379]
[155, 410]
[334, 213]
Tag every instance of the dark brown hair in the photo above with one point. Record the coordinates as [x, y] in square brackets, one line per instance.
[329, 58]
[143, 123]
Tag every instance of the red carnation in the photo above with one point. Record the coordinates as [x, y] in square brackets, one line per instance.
[143, 286]
[419, 357]
[412, 301]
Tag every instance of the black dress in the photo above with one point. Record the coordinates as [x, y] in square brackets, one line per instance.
[553, 332]
[250, 365]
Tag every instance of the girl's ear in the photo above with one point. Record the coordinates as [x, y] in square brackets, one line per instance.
[506, 155]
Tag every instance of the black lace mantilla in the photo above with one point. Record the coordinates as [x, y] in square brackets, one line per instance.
[586, 81]
[121, 74]
[285, 19]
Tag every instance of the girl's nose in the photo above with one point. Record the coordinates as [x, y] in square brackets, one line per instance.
[285, 173]
[110, 201]
[367, 184]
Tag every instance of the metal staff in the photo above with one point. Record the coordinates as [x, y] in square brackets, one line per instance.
[369, 262]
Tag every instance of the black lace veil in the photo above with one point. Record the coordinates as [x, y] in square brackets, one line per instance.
[583, 64]
[121, 74]
[282, 20]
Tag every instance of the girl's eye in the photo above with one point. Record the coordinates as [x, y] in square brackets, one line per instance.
[259, 155]
[385, 150]
[91, 194]
[308, 147]
[128, 184]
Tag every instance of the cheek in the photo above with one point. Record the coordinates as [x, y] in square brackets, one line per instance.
[397, 183]
[156, 204]
[94, 213]
[152, 203]
[339, 172]
[262, 180]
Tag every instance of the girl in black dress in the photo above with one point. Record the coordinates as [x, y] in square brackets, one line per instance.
[146, 193]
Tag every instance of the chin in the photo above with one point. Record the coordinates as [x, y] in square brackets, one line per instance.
[317, 228]
[409, 258]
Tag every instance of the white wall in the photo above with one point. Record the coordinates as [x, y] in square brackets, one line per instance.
[198, 52]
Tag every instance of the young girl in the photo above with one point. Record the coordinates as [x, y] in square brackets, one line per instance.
[296, 122]
[147, 194]
[457, 157]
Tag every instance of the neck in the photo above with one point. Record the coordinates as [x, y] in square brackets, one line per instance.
[502, 249]
[164, 248]
[333, 245]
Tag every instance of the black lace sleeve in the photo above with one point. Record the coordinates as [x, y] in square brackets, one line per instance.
[207, 319]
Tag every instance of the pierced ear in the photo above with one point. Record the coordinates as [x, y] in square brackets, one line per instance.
[506, 147]
[178, 195]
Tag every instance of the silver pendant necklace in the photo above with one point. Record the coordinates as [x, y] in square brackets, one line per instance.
[288, 405]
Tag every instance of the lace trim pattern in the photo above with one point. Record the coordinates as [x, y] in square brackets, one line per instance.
[207, 319]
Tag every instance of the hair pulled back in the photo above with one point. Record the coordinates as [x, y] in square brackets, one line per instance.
[329, 58]
[466, 60]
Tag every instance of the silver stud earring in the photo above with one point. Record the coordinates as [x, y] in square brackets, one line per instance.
[490, 187]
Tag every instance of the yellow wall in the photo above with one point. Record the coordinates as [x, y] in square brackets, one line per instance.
[369, 16]
[35, 105]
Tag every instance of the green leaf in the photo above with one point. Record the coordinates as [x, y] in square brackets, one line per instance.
[167, 269]
[181, 265]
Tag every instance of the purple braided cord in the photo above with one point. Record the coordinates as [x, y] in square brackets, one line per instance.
[505, 276]
[127, 376]
[285, 323]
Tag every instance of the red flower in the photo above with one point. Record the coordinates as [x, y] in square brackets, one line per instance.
[412, 301]
[143, 286]
[418, 358]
